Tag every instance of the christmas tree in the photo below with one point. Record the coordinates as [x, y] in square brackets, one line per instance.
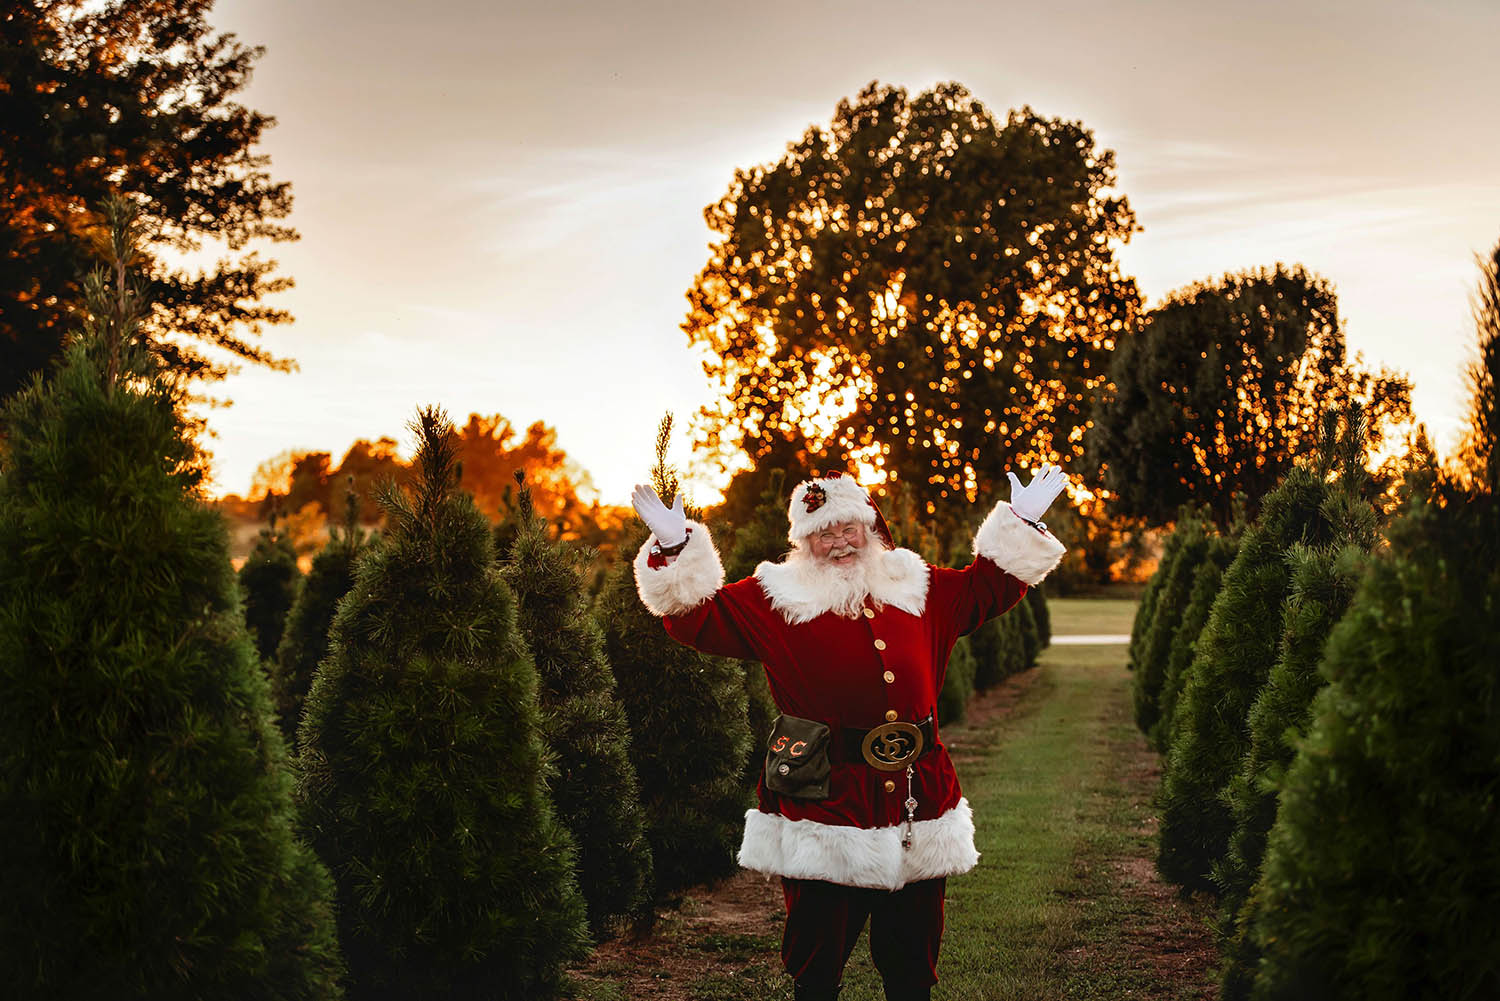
[1207, 577]
[687, 715]
[304, 642]
[269, 582]
[145, 802]
[1191, 539]
[422, 765]
[1383, 866]
[1233, 657]
[596, 791]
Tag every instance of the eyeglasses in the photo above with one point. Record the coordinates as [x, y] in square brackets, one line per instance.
[849, 533]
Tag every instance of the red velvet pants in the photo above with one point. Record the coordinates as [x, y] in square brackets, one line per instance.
[823, 921]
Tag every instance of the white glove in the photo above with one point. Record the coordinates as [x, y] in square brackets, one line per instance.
[669, 524]
[1031, 501]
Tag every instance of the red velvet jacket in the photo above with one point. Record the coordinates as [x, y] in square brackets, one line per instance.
[853, 672]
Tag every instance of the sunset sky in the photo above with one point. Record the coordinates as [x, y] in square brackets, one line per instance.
[501, 204]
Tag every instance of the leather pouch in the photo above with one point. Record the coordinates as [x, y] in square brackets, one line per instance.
[797, 763]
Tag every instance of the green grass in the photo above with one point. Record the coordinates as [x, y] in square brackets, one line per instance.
[1072, 616]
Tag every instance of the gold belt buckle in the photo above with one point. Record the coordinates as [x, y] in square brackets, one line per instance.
[890, 747]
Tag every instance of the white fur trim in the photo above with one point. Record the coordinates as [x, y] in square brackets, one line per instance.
[857, 856]
[802, 589]
[846, 501]
[1016, 547]
[688, 582]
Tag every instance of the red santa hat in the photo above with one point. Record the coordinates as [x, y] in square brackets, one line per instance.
[831, 500]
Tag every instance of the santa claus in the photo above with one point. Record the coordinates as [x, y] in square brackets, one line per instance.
[859, 808]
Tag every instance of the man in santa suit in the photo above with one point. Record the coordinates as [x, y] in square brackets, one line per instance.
[859, 809]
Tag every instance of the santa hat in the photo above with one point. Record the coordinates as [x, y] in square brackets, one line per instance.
[832, 500]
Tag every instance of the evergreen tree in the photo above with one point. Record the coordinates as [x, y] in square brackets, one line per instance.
[269, 583]
[596, 791]
[145, 802]
[1322, 582]
[127, 96]
[1402, 758]
[987, 644]
[1233, 657]
[1040, 615]
[761, 539]
[1207, 578]
[958, 684]
[305, 641]
[1171, 601]
[422, 766]
[687, 715]
[1146, 611]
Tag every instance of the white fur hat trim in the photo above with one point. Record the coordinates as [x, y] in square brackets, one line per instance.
[842, 499]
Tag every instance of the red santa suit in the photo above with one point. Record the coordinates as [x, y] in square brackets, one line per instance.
[885, 663]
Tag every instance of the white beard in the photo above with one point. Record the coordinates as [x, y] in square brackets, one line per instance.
[805, 587]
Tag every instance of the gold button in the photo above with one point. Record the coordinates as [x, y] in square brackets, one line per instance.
[869, 613]
[890, 715]
[889, 677]
[890, 786]
[880, 644]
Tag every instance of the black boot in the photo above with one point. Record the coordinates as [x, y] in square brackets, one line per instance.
[807, 992]
[895, 993]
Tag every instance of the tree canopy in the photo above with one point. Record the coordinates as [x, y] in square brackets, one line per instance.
[134, 97]
[918, 288]
[1222, 389]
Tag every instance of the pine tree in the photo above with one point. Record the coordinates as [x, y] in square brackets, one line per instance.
[1040, 614]
[1207, 579]
[958, 684]
[305, 640]
[269, 582]
[596, 790]
[1031, 639]
[1146, 611]
[145, 802]
[687, 715]
[1402, 758]
[761, 539]
[1192, 536]
[1322, 582]
[422, 766]
[1233, 657]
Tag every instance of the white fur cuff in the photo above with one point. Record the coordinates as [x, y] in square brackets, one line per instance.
[688, 582]
[857, 856]
[1016, 547]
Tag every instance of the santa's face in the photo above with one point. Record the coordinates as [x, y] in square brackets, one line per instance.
[839, 545]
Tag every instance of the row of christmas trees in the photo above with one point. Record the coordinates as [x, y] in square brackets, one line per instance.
[478, 767]
[1325, 689]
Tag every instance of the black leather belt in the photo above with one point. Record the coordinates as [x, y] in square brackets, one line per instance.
[890, 746]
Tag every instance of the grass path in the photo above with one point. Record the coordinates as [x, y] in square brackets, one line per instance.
[1064, 903]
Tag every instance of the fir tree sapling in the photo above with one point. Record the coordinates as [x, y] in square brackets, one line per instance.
[145, 803]
[596, 790]
[304, 642]
[1192, 536]
[1383, 866]
[1233, 657]
[422, 768]
[687, 715]
[1207, 578]
[269, 582]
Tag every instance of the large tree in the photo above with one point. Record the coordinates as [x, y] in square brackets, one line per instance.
[146, 805]
[1222, 389]
[131, 96]
[917, 286]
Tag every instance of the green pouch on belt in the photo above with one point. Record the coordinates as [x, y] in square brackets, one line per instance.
[797, 758]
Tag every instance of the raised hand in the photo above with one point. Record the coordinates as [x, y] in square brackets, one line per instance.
[668, 523]
[1032, 500]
